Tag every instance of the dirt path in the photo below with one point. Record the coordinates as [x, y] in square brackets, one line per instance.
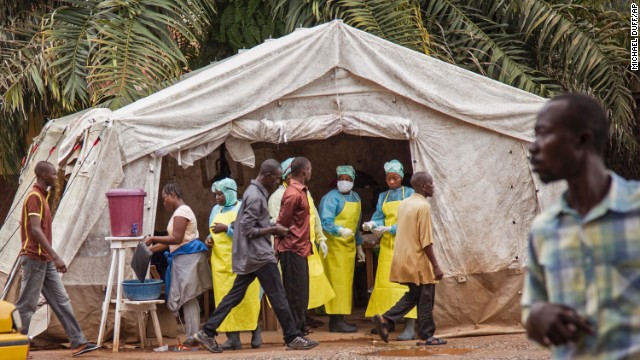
[497, 347]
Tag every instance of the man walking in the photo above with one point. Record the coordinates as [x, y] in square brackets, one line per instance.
[41, 264]
[294, 247]
[253, 257]
[414, 264]
[581, 295]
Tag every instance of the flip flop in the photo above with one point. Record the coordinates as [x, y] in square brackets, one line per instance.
[382, 327]
[84, 348]
[432, 341]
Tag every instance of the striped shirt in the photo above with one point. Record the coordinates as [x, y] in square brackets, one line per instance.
[35, 205]
[591, 263]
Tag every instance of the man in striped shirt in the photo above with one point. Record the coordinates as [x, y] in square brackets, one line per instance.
[582, 289]
[40, 264]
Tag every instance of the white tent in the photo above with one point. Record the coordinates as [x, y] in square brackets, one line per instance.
[470, 132]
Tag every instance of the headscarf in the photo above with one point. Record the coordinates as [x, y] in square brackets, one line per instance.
[346, 170]
[286, 167]
[394, 166]
[228, 188]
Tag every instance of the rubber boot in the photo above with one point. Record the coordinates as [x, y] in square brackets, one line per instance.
[256, 338]
[409, 332]
[337, 324]
[233, 341]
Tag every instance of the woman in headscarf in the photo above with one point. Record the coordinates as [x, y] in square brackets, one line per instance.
[385, 293]
[320, 291]
[187, 274]
[243, 317]
[340, 212]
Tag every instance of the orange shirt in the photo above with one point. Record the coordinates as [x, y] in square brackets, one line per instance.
[294, 214]
[35, 205]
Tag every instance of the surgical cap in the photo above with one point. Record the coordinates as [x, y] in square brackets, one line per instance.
[286, 167]
[346, 170]
[394, 166]
[229, 189]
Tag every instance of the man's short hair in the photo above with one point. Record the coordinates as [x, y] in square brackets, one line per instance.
[42, 167]
[298, 164]
[419, 178]
[269, 166]
[584, 112]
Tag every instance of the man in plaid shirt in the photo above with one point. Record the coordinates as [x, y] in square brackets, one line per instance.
[582, 289]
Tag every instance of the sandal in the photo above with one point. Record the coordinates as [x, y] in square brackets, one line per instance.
[431, 341]
[382, 327]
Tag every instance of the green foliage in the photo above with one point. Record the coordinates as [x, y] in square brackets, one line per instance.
[399, 21]
[240, 24]
[58, 57]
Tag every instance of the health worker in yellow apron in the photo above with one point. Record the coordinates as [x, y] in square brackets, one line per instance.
[320, 291]
[340, 212]
[385, 293]
[243, 317]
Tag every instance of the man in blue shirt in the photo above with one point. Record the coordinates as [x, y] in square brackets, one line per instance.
[582, 293]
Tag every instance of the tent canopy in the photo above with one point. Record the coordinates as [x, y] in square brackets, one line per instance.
[470, 132]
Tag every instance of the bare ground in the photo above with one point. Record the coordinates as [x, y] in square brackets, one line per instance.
[498, 347]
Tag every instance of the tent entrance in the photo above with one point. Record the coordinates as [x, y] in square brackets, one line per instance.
[366, 154]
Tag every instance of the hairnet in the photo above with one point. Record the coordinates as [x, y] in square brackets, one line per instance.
[346, 170]
[394, 166]
[286, 167]
[228, 188]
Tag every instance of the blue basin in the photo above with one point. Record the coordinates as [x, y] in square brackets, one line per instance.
[137, 291]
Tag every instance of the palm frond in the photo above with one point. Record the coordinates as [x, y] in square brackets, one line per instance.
[480, 43]
[586, 55]
[399, 21]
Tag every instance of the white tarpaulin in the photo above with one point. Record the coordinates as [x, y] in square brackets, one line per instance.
[469, 131]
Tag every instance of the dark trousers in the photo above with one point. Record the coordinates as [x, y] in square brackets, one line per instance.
[295, 277]
[423, 296]
[269, 278]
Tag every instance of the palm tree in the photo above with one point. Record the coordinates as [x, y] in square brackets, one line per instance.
[57, 57]
[539, 46]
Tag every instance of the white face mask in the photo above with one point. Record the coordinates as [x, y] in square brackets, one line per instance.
[345, 186]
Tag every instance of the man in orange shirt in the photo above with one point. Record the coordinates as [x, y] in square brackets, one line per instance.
[294, 247]
[41, 265]
[414, 264]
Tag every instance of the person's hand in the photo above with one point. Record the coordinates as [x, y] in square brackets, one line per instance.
[280, 230]
[208, 241]
[437, 272]
[368, 226]
[379, 230]
[324, 248]
[360, 254]
[148, 240]
[60, 265]
[555, 324]
[219, 228]
[345, 232]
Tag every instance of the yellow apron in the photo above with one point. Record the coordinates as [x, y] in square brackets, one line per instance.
[385, 293]
[243, 317]
[320, 290]
[340, 262]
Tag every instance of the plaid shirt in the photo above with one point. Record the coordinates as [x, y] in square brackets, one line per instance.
[592, 264]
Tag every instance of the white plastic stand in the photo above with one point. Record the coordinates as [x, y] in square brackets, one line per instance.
[119, 246]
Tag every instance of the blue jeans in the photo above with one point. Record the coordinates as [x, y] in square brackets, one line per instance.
[41, 276]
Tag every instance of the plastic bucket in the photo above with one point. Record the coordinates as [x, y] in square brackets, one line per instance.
[137, 291]
[126, 210]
